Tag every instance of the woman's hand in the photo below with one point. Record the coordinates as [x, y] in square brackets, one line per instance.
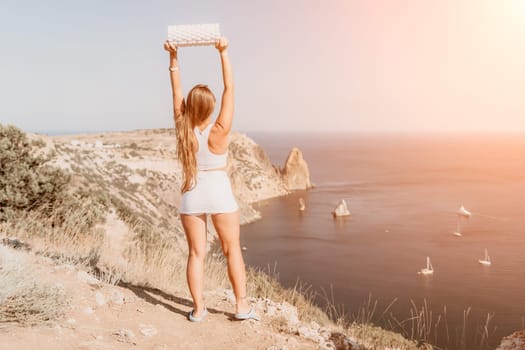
[172, 49]
[222, 44]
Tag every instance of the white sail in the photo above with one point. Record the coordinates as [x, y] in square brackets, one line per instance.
[463, 212]
[429, 270]
[302, 206]
[341, 209]
[458, 228]
[486, 260]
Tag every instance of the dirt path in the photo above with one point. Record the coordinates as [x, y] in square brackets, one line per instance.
[103, 317]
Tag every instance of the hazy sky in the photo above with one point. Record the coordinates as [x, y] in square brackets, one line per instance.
[333, 65]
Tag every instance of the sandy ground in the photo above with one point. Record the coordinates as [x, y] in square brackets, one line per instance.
[104, 316]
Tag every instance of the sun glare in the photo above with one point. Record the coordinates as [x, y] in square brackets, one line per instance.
[509, 14]
[516, 8]
[520, 4]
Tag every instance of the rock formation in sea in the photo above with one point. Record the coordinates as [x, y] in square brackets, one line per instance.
[295, 173]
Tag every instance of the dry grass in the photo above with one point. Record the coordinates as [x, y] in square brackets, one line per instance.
[72, 242]
[427, 326]
[423, 327]
[24, 300]
[265, 284]
[160, 266]
[108, 275]
[373, 337]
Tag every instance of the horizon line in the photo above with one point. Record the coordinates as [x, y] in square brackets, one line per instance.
[295, 132]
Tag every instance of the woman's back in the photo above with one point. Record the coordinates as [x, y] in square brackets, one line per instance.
[206, 159]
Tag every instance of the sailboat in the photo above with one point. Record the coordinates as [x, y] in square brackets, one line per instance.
[429, 270]
[461, 213]
[302, 206]
[486, 260]
[341, 209]
[458, 228]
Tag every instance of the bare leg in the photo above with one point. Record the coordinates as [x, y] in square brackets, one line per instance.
[195, 229]
[227, 226]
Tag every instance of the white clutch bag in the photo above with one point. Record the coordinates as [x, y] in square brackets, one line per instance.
[194, 34]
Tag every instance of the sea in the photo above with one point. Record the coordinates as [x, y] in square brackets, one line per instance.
[403, 192]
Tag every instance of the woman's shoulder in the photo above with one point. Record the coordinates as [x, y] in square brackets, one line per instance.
[218, 138]
[219, 130]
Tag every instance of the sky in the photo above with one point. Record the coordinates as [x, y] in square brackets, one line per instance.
[299, 66]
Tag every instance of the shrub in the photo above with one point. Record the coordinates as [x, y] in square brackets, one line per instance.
[26, 181]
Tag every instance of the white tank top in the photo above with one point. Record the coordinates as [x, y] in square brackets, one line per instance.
[207, 160]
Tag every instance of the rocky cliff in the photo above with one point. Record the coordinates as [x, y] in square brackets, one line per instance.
[295, 173]
[139, 168]
[252, 174]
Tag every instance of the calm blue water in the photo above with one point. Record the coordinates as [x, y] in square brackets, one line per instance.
[402, 191]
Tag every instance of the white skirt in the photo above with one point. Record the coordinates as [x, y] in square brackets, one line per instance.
[211, 195]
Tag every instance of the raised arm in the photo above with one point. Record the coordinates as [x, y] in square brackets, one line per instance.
[225, 118]
[176, 89]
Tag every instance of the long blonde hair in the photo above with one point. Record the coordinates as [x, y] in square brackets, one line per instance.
[199, 105]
